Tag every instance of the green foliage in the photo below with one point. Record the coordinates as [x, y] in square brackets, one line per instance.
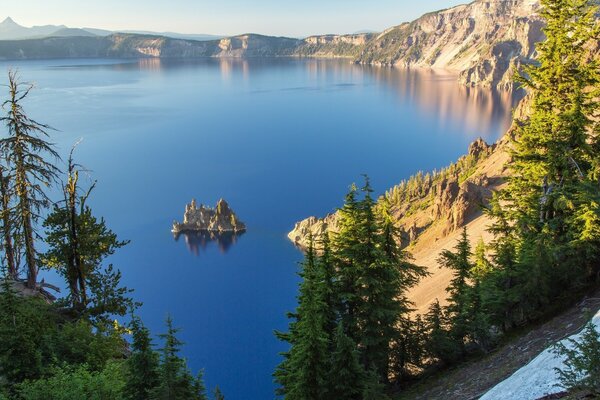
[175, 380]
[79, 383]
[142, 365]
[353, 312]
[25, 326]
[78, 244]
[346, 375]
[440, 344]
[547, 219]
[79, 342]
[308, 358]
[582, 361]
[218, 394]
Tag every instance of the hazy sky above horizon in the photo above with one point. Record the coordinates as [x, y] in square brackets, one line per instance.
[223, 17]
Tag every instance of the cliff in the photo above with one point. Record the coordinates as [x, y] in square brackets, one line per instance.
[482, 42]
[430, 210]
[220, 219]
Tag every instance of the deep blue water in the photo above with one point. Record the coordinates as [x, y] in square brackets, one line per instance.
[279, 139]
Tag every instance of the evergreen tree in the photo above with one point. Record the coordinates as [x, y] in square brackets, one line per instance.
[374, 389]
[440, 344]
[549, 215]
[346, 249]
[459, 288]
[142, 365]
[346, 375]
[582, 363]
[218, 394]
[374, 275]
[78, 244]
[392, 306]
[175, 379]
[26, 150]
[307, 363]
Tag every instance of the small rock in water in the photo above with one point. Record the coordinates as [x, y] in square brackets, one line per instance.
[221, 218]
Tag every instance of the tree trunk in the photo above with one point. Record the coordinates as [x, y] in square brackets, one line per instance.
[7, 227]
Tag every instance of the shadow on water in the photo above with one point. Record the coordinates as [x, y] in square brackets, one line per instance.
[198, 242]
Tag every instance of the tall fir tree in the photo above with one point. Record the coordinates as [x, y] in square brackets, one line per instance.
[142, 365]
[175, 379]
[28, 151]
[307, 363]
[459, 289]
[346, 375]
[548, 215]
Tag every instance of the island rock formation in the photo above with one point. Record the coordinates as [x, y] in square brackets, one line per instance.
[220, 219]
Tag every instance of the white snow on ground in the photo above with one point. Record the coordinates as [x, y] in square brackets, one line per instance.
[537, 379]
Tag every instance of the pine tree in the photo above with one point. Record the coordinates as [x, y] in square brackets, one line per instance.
[175, 379]
[582, 361]
[389, 309]
[346, 246]
[374, 389]
[25, 148]
[459, 288]
[78, 244]
[346, 375]
[307, 363]
[218, 394]
[440, 344]
[549, 215]
[142, 365]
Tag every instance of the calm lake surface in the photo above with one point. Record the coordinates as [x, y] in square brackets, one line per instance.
[280, 140]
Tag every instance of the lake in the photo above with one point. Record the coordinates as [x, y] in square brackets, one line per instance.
[279, 139]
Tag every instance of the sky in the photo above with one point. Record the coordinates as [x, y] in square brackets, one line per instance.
[223, 17]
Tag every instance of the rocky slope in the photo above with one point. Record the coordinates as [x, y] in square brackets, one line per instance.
[482, 41]
[431, 209]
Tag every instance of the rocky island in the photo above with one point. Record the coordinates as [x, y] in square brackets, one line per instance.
[220, 219]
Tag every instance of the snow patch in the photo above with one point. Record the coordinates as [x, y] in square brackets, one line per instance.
[538, 378]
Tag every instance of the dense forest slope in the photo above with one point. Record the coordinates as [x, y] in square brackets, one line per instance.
[431, 208]
[481, 41]
[496, 372]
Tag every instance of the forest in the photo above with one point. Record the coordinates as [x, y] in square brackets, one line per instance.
[354, 334]
[354, 323]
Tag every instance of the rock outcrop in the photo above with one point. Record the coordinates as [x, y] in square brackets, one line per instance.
[482, 41]
[220, 219]
[445, 201]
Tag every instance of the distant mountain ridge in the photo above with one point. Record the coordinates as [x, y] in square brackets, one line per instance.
[483, 42]
[10, 30]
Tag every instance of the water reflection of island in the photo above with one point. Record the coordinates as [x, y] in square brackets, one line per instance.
[199, 241]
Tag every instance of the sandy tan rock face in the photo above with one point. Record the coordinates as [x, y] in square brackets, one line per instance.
[481, 41]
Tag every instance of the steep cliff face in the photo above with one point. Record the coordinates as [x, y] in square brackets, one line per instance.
[481, 41]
